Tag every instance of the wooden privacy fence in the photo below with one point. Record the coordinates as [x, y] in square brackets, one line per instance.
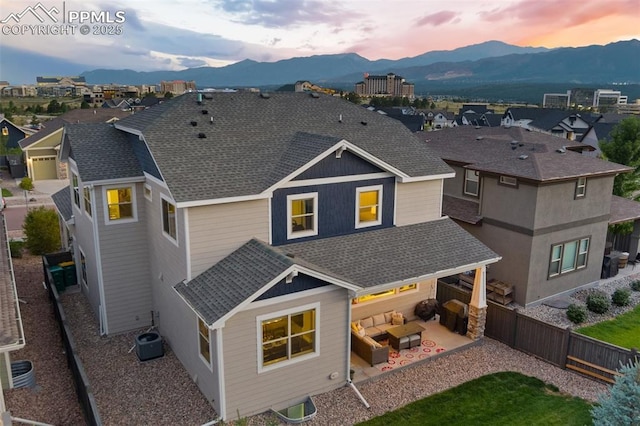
[558, 346]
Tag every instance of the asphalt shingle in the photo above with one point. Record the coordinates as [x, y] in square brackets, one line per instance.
[62, 200]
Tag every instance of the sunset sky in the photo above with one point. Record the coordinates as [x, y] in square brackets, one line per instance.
[175, 34]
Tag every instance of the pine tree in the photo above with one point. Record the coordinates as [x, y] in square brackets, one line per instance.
[621, 406]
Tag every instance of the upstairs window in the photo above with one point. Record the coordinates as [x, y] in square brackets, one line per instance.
[471, 183]
[204, 342]
[302, 214]
[568, 257]
[120, 204]
[581, 187]
[87, 200]
[368, 206]
[508, 180]
[76, 189]
[169, 219]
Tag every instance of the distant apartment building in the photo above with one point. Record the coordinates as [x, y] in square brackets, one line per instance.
[177, 87]
[307, 86]
[61, 81]
[584, 98]
[384, 85]
[19, 91]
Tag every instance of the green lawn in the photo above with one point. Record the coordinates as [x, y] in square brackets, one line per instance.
[622, 331]
[6, 193]
[498, 399]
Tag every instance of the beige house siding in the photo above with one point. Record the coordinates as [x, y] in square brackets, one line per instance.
[249, 392]
[418, 202]
[217, 230]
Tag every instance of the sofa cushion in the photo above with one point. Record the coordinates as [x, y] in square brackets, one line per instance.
[366, 322]
[372, 342]
[378, 320]
[388, 316]
[384, 327]
[373, 331]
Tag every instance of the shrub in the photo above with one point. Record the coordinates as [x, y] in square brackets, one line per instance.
[26, 183]
[598, 302]
[621, 297]
[620, 405]
[576, 313]
[635, 286]
[42, 231]
[16, 248]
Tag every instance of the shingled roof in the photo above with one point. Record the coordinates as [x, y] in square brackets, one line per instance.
[101, 152]
[363, 260]
[247, 147]
[11, 332]
[517, 152]
[62, 201]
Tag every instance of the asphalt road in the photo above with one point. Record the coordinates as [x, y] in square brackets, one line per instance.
[14, 215]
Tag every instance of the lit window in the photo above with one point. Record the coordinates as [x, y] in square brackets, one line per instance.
[169, 218]
[204, 341]
[87, 200]
[471, 182]
[288, 336]
[581, 187]
[302, 213]
[368, 206]
[386, 293]
[76, 189]
[568, 256]
[120, 203]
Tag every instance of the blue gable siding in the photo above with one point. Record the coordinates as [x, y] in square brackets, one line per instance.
[14, 136]
[348, 164]
[336, 208]
[144, 156]
[300, 283]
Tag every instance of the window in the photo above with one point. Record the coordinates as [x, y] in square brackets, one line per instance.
[76, 189]
[471, 183]
[169, 218]
[147, 192]
[86, 191]
[288, 336]
[204, 341]
[302, 212]
[581, 187]
[83, 269]
[368, 206]
[386, 293]
[120, 203]
[508, 180]
[568, 256]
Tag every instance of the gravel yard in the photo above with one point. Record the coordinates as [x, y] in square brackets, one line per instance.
[160, 392]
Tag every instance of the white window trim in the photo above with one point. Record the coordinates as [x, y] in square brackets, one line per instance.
[165, 233]
[309, 232]
[576, 267]
[82, 276]
[75, 190]
[134, 204]
[581, 189]
[508, 180]
[477, 181]
[372, 222]
[207, 362]
[281, 364]
[148, 192]
[84, 202]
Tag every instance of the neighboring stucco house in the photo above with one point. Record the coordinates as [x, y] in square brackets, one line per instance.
[41, 149]
[530, 197]
[567, 124]
[251, 229]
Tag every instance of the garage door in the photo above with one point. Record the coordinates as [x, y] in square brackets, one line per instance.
[44, 168]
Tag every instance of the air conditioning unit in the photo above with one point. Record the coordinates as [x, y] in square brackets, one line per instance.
[149, 346]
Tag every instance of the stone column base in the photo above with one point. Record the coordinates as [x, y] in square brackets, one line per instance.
[477, 322]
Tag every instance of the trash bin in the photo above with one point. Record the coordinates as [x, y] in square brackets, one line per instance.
[70, 277]
[57, 273]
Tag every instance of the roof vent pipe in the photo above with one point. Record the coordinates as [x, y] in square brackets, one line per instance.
[199, 98]
[211, 119]
[340, 118]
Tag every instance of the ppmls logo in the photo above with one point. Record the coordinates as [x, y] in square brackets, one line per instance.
[41, 20]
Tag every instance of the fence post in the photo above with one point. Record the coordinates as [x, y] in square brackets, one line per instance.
[565, 347]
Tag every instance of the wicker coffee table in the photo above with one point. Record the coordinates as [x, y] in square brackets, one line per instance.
[396, 333]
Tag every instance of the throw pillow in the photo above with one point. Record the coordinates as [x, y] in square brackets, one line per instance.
[388, 316]
[397, 319]
[361, 331]
[378, 319]
[366, 322]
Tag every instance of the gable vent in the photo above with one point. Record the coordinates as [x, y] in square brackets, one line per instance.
[194, 123]
[205, 112]
[202, 135]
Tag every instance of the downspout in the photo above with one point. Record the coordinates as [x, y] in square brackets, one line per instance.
[350, 296]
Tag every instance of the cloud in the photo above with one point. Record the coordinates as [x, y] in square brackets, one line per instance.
[437, 19]
[286, 13]
[191, 62]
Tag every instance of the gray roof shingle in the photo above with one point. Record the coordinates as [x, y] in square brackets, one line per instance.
[365, 260]
[535, 156]
[62, 201]
[245, 148]
[101, 152]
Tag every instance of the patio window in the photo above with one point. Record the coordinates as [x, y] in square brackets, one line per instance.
[471, 182]
[581, 187]
[288, 336]
[368, 206]
[386, 293]
[76, 189]
[302, 214]
[568, 257]
[169, 219]
[204, 341]
[86, 191]
[120, 204]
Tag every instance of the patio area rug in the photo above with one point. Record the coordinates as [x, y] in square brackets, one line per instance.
[397, 359]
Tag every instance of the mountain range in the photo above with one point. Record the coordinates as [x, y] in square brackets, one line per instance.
[488, 62]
